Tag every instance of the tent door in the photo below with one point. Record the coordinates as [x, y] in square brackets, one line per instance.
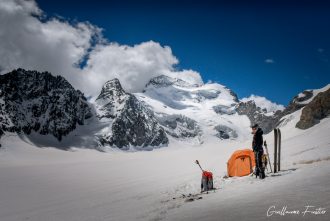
[243, 165]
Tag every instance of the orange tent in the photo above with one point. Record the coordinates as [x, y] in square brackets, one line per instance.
[241, 163]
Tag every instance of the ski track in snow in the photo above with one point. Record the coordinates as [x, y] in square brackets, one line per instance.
[181, 195]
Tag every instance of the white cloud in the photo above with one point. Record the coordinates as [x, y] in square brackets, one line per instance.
[55, 46]
[263, 102]
[134, 65]
[58, 46]
[269, 61]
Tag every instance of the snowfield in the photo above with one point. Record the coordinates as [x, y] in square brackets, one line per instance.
[81, 184]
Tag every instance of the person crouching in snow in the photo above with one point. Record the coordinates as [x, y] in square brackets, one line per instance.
[258, 150]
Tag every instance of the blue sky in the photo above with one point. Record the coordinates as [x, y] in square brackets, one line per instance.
[269, 48]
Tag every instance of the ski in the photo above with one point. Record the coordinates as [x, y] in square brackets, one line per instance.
[270, 164]
[279, 148]
[275, 150]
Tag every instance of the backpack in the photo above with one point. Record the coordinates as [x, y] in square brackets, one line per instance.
[264, 161]
[207, 181]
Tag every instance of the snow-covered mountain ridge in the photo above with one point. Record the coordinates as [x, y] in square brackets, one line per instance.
[167, 110]
[209, 106]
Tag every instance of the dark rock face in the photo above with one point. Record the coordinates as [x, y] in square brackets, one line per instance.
[33, 101]
[312, 113]
[133, 124]
[111, 98]
[315, 111]
[179, 126]
[225, 132]
[296, 103]
[258, 115]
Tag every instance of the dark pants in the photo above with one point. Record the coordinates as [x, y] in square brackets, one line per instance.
[260, 171]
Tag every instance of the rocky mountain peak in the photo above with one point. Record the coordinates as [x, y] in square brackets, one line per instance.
[111, 99]
[130, 123]
[40, 102]
[112, 89]
[29, 84]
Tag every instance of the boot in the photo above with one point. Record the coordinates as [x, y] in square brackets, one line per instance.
[257, 172]
[262, 174]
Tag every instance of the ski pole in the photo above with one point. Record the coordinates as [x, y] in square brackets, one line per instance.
[198, 164]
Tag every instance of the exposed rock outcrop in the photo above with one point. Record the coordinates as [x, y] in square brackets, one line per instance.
[315, 110]
[41, 102]
[259, 116]
[131, 123]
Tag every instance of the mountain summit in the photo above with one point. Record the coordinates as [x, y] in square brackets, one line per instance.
[34, 101]
[130, 123]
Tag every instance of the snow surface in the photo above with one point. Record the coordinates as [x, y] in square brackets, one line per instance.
[81, 184]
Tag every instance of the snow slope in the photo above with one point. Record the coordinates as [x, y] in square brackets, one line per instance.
[48, 184]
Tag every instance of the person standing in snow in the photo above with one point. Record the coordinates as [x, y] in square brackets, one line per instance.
[258, 150]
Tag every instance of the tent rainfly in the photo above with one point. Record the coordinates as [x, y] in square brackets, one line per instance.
[241, 163]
